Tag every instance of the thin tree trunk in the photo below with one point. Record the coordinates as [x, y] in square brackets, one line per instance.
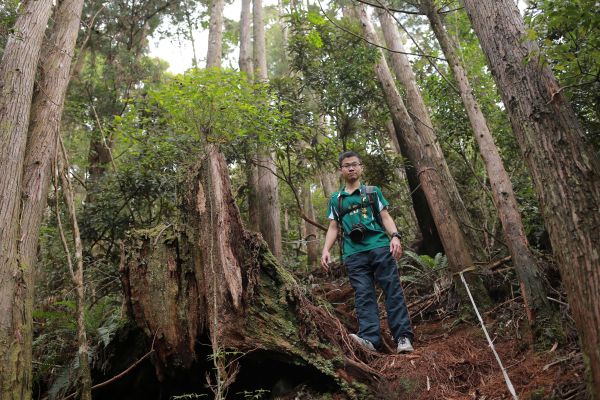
[423, 153]
[424, 128]
[565, 170]
[268, 185]
[502, 192]
[310, 231]
[85, 377]
[215, 34]
[190, 27]
[17, 73]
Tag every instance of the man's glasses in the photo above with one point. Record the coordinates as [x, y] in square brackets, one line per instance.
[352, 165]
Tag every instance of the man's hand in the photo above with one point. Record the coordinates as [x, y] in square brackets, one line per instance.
[396, 248]
[325, 260]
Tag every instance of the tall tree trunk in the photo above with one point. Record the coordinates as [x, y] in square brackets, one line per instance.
[17, 73]
[534, 294]
[430, 244]
[284, 34]
[269, 207]
[424, 154]
[247, 67]
[245, 58]
[44, 130]
[424, 128]
[259, 47]
[215, 34]
[44, 127]
[268, 185]
[565, 171]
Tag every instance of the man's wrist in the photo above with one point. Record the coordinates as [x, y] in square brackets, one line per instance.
[396, 235]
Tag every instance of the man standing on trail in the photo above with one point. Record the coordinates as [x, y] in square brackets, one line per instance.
[361, 213]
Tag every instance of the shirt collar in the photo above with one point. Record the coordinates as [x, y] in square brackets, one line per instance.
[342, 191]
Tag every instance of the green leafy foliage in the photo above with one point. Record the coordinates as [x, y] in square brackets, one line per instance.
[8, 15]
[218, 106]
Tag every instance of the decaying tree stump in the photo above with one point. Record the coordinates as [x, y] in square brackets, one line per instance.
[206, 276]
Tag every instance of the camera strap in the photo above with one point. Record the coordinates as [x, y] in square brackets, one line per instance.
[365, 191]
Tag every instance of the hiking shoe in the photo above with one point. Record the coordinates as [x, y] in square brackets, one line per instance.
[404, 346]
[362, 342]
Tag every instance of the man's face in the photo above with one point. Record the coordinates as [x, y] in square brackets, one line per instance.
[351, 169]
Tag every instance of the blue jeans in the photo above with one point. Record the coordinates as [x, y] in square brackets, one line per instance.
[363, 268]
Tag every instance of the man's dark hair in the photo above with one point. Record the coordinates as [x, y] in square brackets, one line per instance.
[348, 154]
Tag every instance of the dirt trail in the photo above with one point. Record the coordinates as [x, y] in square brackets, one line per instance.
[458, 364]
[453, 361]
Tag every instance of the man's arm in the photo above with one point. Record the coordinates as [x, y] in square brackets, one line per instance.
[330, 237]
[390, 227]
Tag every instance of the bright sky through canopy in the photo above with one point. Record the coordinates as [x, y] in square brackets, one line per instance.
[178, 52]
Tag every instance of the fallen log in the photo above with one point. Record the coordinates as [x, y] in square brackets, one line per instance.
[206, 278]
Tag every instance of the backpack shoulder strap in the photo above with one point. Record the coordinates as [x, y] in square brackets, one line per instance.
[373, 201]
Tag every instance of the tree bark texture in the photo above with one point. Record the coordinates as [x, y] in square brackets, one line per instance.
[565, 171]
[44, 126]
[245, 57]
[268, 202]
[431, 244]
[252, 193]
[259, 47]
[246, 65]
[502, 190]
[17, 73]
[422, 152]
[268, 185]
[207, 275]
[215, 34]
[424, 128]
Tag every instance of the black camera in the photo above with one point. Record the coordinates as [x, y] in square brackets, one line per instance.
[357, 233]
